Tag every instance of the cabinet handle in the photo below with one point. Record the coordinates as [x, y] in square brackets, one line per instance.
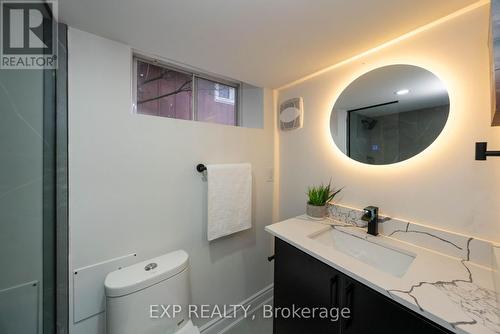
[334, 291]
[349, 292]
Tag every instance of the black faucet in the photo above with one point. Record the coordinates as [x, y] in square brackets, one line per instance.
[371, 216]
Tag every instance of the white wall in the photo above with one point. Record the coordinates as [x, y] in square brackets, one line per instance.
[251, 97]
[443, 186]
[134, 188]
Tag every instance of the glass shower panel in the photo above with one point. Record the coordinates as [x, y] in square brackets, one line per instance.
[27, 218]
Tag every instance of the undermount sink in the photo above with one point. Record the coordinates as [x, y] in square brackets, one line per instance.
[389, 260]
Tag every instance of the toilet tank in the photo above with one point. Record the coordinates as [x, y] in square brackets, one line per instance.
[134, 294]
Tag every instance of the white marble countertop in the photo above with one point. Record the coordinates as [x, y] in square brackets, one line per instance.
[451, 291]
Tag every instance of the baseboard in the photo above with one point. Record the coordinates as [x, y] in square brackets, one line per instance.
[220, 325]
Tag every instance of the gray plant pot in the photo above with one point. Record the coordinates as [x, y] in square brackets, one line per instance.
[317, 212]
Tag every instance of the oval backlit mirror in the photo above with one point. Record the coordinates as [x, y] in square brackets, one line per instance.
[389, 114]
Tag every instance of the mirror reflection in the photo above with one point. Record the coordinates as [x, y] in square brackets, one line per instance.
[389, 114]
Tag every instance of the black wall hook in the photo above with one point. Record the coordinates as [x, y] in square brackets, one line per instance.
[201, 168]
[482, 151]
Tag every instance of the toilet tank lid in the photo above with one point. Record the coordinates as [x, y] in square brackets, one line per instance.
[144, 274]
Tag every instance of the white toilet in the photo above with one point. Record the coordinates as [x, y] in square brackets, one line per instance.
[132, 293]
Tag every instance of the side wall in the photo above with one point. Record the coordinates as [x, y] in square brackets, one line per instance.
[134, 188]
[443, 186]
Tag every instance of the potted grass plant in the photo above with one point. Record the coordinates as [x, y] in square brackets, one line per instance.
[318, 199]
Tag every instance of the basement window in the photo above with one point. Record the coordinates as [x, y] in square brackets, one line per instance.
[165, 91]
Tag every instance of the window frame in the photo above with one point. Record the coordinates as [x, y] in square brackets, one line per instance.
[194, 75]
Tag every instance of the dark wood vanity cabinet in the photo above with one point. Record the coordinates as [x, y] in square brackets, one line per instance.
[304, 282]
[301, 281]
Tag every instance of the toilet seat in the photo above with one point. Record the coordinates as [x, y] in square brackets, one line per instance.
[188, 328]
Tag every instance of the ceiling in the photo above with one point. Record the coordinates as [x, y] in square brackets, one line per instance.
[268, 43]
[380, 86]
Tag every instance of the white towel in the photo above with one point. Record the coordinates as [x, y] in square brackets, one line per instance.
[229, 199]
